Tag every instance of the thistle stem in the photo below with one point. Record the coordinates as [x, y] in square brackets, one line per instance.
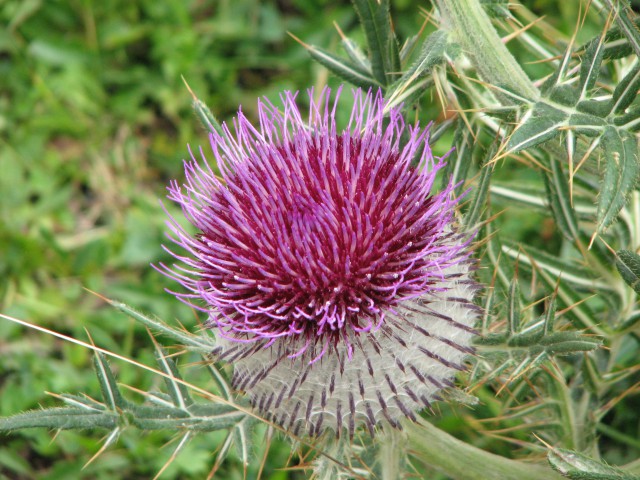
[473, 30]
[633, 467]
[392, 453]
[461, 461]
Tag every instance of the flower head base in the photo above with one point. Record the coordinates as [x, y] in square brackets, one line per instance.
[336, 280]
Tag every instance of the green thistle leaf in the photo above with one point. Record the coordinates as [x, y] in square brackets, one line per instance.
[542, 123]
[620, 176]
[383, 48]
[243, 439]
[531, 258]
[629, 29]
[627, 90]
[560, 201]
[591, 374]
[630, 121]
[629, 323]
[108, 385]
[458, 164]
[616, 45]
[343, 68]
[432, 54]
[590, 66]
[408, 46]
[65, 418]
[177, 391]
[550, 315]
[558, 75]
[501, 264]
[564, 94]
[412, 84]
[206, 117]
[575, 309]
[560, 343]
[513, 308]
[199, 343]
[497, 8]
[479, 201]
[199, 418]
[628, 264]
[599, 108]
[355, 53]
[586, 124]
[576, 466]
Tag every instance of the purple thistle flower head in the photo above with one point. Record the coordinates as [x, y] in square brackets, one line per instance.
[336, 280]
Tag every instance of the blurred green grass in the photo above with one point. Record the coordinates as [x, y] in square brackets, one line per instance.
[94, 121]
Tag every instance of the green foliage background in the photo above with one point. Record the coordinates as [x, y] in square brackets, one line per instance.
[94, 121]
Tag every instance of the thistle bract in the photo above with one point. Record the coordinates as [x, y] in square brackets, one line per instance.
[335, 279]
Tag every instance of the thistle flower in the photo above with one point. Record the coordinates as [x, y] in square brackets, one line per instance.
[336, 280]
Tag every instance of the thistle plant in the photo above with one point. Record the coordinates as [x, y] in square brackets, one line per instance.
[353, 285]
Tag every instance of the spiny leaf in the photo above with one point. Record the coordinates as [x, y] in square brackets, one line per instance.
[586, 124]
[201, 418]
[108, 384]
[207, 118]
[393, 49]
[621, 172]
[630, 121]
[536, 342]
[458, 164]
[598, 107]
[412, 84]
[575, 309]
[221, 380]
[204, 114]
[564, 94]
[550, 315]
[199, 343]
[615, 43]
[355, 53]
[82, 401]
[620, 11]
[591, 374]
[479, 201]
[568, 270]
[590, 66]
[628, 264]
[542, 123]
[343, 68]
[243, 438]
[513, 308]
[559, 199]
[568, 342]
[497, 8]
[556, 77]
[629, 322]
[577, 466]
[432, 53]
[177, 391]
[501, 265]
[408, 46]
[627, 90]
[557, 343]
[536, 198]
[374, 17]
[599, 252]
[66, 418]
